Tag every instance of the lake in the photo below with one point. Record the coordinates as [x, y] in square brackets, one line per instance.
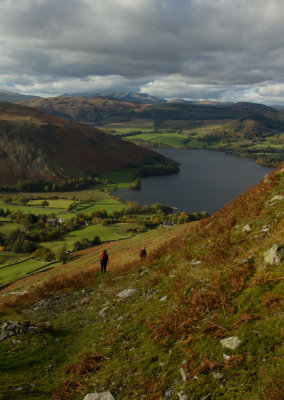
[207, 180]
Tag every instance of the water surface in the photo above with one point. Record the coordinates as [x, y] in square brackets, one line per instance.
[207, 180]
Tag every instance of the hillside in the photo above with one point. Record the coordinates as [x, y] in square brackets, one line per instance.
[202, 112]
[110, 109]
[36, 145]
[253, 127]
[13, 97]
[199, 319]
[87, 110]
[140, 98]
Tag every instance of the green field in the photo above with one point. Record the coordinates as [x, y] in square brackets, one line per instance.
[174, 134]
[136, 124]
[8, 257]
[53, 203]
[7, 227]
[34, 209]
[107, 204]
[106, 233]
[58, 207]
[120, 179]
[192, 134]
[11, 273]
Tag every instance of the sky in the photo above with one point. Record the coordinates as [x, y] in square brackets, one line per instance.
[223, 50]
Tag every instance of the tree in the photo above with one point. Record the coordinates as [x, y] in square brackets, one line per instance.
[77, 245]
[97, 240]
[45, 203]
[7, 199]
[24, 200]
[136, 184]
[43, 254]
[61, 254]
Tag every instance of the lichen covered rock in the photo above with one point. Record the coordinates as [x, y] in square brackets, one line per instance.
[99, 396]
[275, 255]
[231, 342]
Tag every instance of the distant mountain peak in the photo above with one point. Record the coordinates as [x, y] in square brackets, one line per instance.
[141, 98]
[13, 97]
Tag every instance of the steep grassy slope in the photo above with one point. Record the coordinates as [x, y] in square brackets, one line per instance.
[200, 284]
[35, 145]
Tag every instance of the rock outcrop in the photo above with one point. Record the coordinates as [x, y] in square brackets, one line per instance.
[275, 255]
[99, 396]
[127, 293]
[9, 329]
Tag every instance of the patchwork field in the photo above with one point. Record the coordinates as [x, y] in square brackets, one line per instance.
[23, 268]
[106, 234]
[260, 142]
[63, 224]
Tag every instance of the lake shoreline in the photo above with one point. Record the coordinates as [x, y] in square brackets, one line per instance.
[207, 180]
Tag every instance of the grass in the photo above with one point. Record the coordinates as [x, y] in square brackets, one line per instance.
[107, 204]
[144, 125]
[120, 179]
[57, 203]
[7, 227]
[106, 234]
[189, 134]
[34, 209]
[11, 273]
[8, 257]
[146, 342]
[167, 139]
[58, 206]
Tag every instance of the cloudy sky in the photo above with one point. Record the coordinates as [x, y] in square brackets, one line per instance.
[229, 50]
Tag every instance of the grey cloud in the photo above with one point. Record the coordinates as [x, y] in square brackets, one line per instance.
[231, 42]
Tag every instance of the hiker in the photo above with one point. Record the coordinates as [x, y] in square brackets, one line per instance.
[104, 260]
[143, 253]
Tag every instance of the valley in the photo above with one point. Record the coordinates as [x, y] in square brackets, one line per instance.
[201, 316]
[210, 135]
[40, 231]
[141, 200]
[245, 129]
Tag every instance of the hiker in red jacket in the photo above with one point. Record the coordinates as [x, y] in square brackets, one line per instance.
[143, 253]
[104, 261]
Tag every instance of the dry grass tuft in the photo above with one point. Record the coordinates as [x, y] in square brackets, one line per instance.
[245, 318]
[72, 281]
[90, 362]
[186, 320]
[238, 277]
[206, 366]
[216, 331]
[234, 362]
[67, 390]
[273, 301]
[152, 388]
[265, 280]
[275, 391]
